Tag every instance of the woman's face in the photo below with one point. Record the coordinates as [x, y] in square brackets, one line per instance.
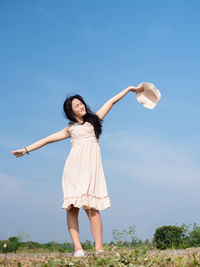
[78, 108]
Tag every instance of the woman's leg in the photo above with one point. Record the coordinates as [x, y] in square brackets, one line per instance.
[73, 227]
[96, 226]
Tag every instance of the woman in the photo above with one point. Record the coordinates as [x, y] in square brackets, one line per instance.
[83, 180]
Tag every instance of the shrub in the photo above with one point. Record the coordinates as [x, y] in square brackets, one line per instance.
[12, 245]
[194, 236]
[169, 236]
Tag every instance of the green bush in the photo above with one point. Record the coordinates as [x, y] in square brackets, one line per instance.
[194, 236]
[12, 245]
[169, 236]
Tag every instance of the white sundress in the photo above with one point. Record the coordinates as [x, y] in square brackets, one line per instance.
[83, 180]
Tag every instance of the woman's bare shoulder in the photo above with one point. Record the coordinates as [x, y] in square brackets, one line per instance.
[68, 128]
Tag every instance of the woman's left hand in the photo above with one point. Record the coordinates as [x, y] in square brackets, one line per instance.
[136, 89]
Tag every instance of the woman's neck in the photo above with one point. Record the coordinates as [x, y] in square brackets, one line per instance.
[80, 121]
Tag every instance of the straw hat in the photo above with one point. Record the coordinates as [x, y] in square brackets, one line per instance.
[150, 96]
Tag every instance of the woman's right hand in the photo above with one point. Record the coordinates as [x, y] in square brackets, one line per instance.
[19, 152]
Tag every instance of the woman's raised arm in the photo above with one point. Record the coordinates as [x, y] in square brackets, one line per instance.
[101, 113]
[63, 134]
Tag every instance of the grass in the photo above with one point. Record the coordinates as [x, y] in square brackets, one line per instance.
[113, 257]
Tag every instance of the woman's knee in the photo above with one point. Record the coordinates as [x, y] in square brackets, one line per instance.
[73, 210]
[91, 212]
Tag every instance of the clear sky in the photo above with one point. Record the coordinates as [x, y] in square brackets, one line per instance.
[50, 49]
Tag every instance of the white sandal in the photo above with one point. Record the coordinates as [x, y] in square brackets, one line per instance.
[99, 251]
[79, 253]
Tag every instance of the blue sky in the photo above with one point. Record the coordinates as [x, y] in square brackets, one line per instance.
[50, 49]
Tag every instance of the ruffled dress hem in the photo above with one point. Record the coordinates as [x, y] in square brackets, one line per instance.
[87, 202]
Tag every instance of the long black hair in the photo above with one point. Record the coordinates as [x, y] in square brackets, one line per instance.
[89, 116]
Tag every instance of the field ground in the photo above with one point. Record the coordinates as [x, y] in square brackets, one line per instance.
[112, 257]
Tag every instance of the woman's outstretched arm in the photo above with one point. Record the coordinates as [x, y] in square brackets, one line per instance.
[63, 134]
[101, 113]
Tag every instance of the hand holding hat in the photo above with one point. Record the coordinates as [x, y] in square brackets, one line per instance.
[137, 89]
[147, 95]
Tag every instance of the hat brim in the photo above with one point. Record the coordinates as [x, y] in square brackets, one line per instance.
[149, 97]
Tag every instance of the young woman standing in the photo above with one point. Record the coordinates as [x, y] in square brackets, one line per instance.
[83, 180]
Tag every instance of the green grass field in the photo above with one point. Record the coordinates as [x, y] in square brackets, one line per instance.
[113, 256]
